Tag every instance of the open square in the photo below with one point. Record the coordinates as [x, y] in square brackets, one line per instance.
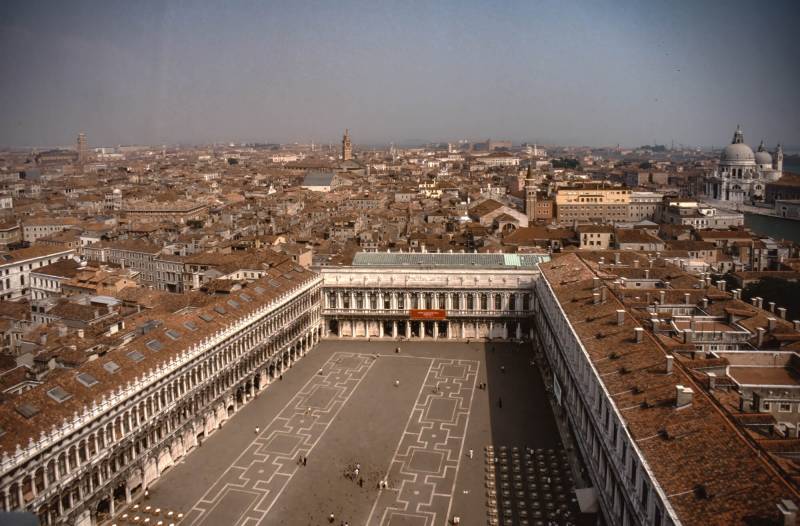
[415, 423]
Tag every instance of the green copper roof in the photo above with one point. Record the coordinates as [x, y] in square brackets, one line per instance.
[448, 260]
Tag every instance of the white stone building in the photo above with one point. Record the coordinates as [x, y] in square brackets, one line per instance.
[431, 295]
[742, 175]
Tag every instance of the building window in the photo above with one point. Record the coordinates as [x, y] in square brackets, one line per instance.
[765, 406]
[785, 407]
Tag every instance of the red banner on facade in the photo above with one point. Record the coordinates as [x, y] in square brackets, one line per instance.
[428, 314]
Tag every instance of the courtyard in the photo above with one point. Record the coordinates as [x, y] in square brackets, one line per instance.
[428, 440]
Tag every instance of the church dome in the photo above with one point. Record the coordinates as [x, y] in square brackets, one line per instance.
[737, 153]
[763, 158]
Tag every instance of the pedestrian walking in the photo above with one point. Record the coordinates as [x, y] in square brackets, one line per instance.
[470, 453]
[257, 429]
[502, 368]
[361, 482]
[281, 377]
[331, 518]
[305, 459]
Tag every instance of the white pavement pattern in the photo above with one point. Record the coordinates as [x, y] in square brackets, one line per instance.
[423, 471]
[245, 492]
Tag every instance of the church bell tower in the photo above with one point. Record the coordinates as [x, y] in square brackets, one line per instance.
[347, 147]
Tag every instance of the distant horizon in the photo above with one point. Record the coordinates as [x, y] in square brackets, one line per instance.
[788, 149]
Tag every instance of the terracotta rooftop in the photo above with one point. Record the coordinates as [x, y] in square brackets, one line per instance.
[703, 448]
[19, 429]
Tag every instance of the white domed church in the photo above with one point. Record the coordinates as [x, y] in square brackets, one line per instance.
[741, 175]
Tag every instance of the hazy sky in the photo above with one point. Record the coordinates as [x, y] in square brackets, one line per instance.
[590, 72]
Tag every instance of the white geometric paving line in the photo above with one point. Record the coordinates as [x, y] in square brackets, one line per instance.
[423, 470]
[255, 480]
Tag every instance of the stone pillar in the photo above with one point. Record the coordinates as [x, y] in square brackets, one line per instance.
[421, 330]
[505, 331]
[408, 329]
[394, 329]
[463, 330]
[380, 301]
[435, 330]
[448, 301]
[449, 328]
[491, 329]
[339, 324]
[380, 328]
[127, 493]
[519, 331]
[111, 510]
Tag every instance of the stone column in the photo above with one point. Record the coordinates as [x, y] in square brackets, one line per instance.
[111, 503]
[421, 330]
[339, 324]
[449, 329]
[505, 331]
[380, 328]
[394, 329]
[408, 329]
[435, 330]
[463, 331]
[380, 301]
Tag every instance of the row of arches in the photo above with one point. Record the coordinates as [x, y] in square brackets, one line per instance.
[121, 453]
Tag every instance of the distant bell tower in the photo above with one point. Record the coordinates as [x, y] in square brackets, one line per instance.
[779, 158]
[83, 148]
[347, 147]
[530, 197]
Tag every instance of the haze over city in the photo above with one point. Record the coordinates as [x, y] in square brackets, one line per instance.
[593, 73]
[399, 264]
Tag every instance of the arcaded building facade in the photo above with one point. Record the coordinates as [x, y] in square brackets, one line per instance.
[431, 295]
[89, 440]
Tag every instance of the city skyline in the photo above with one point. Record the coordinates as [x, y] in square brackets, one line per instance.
[596, 75]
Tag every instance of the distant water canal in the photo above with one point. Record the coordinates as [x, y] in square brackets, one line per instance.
[774, 227]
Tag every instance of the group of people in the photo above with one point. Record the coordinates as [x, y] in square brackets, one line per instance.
[332, 518]
[302, 460]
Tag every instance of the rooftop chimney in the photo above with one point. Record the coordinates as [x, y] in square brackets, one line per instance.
[670, 363]
[636, 263]
[788, 511]
[662, 297]
[683, 396]
[721, 284]
[620, 316]
[638, 334]
[771, 306]
[688, 336]
[782, 312]
[760, 339]
[705, 303]
[595, 298]
[616, 258]
[771, 322]
[796, 324]
[603, 293]
[760, 302]
[687, 298]
[712, 381]
[647, 273]
[596, 282]
[754, 301]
